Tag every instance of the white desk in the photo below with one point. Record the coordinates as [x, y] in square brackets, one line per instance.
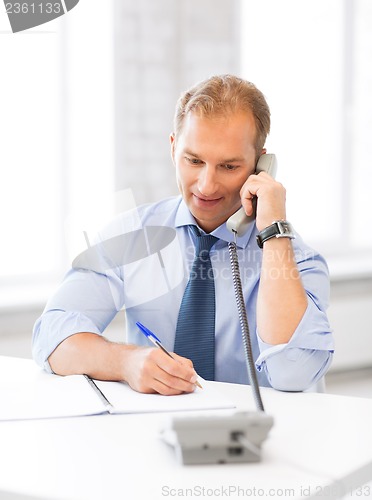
[316, 439]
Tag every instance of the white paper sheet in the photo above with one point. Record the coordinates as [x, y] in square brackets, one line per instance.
[124, 400]
[28, 392]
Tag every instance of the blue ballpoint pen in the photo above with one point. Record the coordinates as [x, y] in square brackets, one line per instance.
[157, 342]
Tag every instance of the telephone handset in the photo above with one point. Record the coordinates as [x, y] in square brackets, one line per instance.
[238, 224]
[239, 221]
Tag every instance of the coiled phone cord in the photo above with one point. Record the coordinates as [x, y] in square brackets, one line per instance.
[244, 324]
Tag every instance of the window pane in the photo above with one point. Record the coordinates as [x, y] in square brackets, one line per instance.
[57, 139]
[293, 52]
[30, 152]
[361, 122]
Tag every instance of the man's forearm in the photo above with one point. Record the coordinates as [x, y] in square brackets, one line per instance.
[282, 300]
[90, 354]
[145, 369]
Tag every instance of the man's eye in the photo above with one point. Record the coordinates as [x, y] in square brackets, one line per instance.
[227, 166]
[193, 161]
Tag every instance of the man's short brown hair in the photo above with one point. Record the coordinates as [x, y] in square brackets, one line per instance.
[223, 94]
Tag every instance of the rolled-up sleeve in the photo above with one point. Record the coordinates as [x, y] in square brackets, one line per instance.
[300, 363]
[86, 301]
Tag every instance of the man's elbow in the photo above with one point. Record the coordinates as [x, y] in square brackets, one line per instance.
[303, 373]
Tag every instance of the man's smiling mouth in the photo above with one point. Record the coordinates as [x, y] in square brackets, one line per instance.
[206, 202]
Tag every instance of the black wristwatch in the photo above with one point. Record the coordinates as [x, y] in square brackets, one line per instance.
[278, 229]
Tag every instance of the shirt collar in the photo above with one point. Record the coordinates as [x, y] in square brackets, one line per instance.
[185, 218]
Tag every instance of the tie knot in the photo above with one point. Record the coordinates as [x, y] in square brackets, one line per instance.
[203, 243]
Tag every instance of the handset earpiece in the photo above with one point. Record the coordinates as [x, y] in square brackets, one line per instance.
[238, 223]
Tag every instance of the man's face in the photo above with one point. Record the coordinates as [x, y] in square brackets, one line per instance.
[214, 157]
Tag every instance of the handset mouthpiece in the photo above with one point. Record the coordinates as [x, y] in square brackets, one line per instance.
[238, 223]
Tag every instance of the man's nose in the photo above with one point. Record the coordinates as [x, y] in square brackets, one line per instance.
[207, 182]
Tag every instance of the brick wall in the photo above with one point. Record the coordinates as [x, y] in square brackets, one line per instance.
[163, 47]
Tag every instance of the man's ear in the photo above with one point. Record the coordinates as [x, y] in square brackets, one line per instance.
[263, 152]
[173, 145]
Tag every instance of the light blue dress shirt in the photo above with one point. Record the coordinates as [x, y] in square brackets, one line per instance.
[149, 283]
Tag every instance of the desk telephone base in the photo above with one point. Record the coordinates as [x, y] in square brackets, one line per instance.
[219, 438]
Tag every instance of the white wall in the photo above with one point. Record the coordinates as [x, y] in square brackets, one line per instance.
[350, 318]
[163, 47]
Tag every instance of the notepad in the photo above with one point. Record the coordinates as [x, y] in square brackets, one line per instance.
[124, 400]
[27, 392]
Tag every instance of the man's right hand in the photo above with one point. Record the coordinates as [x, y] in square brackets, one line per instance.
[150, 370]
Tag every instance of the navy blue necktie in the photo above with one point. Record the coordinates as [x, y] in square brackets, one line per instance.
[196, 318]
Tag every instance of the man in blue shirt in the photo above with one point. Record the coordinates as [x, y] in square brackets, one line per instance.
[219, 134]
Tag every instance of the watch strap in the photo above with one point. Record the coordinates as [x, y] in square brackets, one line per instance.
[278, 229]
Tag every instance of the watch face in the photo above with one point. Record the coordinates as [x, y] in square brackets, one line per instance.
[286, 228]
